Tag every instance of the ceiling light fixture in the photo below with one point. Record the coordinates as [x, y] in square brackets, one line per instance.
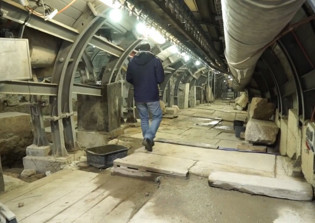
[174, 49]
[115, 15]
[142, 29]
[156, 36]
[112, 3]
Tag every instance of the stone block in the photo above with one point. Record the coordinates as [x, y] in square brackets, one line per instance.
[15, 135]
[162, 105]
[242, 100]
[15, 123]
[283, 136]
[307, 160]
[171, 111]
[34, 150]
[261, 109]
[262, 132]
[293, 120]
[294, 138]
[27, 173]
[101, 113]
[48, 163]
[294, 144]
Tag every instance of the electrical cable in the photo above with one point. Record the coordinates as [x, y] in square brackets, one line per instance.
[66, 7]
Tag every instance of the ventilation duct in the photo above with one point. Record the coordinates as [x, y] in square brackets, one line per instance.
[248, 27]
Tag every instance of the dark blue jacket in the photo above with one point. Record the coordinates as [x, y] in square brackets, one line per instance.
[145, 72]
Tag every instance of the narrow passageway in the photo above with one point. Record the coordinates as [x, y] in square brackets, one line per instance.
[170, 184]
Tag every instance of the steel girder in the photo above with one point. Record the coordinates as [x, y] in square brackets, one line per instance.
[18, 14]
[44, 89]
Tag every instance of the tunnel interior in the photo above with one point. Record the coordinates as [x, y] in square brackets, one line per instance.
[79, 52]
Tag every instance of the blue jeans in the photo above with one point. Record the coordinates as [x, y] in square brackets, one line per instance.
[149, 131]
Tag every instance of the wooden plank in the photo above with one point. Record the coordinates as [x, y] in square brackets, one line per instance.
[288, 188]
[56, 207]
[114, 195]
[47, 194]
[157, 164]
[6, 197]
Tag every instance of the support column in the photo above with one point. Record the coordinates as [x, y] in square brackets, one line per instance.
[183, 95]
[40, 146]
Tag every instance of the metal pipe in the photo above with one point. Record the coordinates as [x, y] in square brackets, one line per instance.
[248, 27]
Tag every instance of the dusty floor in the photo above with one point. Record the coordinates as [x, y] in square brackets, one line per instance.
[90, 195]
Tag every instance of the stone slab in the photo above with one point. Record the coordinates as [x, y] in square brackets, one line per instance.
[289, 188]
[153, 163]
[260, 164]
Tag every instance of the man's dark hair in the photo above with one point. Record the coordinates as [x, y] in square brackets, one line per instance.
[144, 47]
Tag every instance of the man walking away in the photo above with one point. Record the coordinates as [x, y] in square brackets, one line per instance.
[145, 72]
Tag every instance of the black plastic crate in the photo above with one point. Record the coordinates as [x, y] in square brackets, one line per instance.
[104, 156]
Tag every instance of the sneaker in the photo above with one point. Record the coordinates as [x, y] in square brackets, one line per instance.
[148, 144]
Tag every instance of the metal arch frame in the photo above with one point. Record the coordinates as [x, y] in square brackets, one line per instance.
[66, 64]
[65, 86]
[88, 63]
[117, 67]
[273, 76]
[176, 87]
[298, 85]
[164, 85]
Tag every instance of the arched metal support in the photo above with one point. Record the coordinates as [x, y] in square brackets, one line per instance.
[117, 67]
[273, 76]
[67, 78]
[67, 62]
[297, 82]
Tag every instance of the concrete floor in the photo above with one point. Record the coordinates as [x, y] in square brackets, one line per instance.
[90, 195]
